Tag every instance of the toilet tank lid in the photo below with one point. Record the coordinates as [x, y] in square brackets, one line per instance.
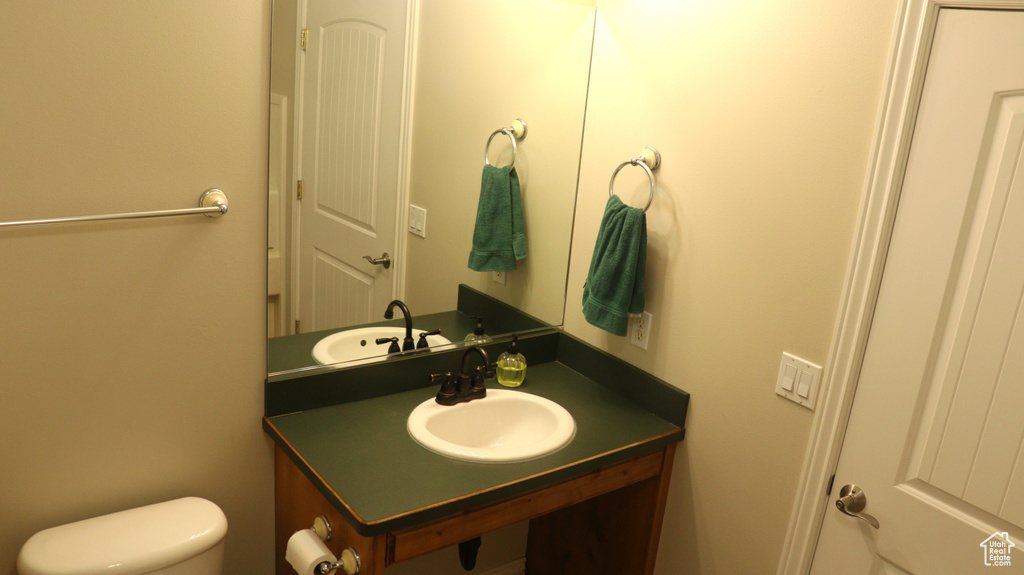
[128, 542]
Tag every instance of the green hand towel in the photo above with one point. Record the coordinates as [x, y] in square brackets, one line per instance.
[615, 283]
[498, 238]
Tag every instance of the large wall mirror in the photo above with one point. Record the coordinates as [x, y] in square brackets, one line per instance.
[388, 109]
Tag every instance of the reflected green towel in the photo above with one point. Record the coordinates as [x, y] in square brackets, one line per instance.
[615, 283]
[498, 238]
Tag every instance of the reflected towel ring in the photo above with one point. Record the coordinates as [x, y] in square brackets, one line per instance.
[644, 160]
[517, 131]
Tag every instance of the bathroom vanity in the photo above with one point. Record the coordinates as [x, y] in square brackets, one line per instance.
[595, 505]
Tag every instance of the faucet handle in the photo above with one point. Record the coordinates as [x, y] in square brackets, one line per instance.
[393, 348]
[487, 371]
[484, 372]
[447, 393]
[477, 389]
[422, 343]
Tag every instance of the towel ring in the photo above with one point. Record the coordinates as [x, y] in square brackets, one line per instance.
[644, 159]
[517, 131]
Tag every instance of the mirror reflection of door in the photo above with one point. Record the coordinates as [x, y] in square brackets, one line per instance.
[350, 120]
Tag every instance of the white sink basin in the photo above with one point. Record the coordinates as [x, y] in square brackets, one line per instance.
[360, 344]
[504, 427]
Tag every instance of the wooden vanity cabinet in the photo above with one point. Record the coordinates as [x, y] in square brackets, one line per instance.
[605, 521]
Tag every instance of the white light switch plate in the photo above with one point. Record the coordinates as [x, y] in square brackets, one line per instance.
[417, 221]
[798, 380]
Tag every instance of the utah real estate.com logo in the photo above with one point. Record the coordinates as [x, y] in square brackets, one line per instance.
[997, 549]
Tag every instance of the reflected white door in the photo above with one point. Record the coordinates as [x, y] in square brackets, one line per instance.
[936, 434]
[351, 98]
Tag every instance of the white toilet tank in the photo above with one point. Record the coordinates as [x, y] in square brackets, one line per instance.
[183, 536]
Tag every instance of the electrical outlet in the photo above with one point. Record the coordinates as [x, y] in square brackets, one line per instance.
[640, 330]
[499, 277]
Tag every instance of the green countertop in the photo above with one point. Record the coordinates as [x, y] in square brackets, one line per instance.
[360, 456]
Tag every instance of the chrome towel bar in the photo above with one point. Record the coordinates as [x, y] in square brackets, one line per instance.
[212, 203]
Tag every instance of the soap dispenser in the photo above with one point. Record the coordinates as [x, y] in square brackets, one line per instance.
[511, 369]
[478, 337]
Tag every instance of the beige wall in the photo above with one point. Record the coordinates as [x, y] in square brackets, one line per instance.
[763, 113]
[479, 66]
[132, 354]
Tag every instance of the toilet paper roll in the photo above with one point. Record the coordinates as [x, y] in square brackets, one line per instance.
[305, 551]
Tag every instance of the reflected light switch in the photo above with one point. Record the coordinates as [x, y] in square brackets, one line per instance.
[417, 221]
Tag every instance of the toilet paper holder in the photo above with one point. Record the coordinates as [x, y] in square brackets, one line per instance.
[348, 563]
[349, 560]
[322, 528]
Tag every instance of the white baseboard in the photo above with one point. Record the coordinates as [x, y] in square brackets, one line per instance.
[517, 567]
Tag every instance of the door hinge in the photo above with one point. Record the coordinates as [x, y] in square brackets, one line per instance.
[298, 191]
[828, 491]
[304, 39]
[297, 327]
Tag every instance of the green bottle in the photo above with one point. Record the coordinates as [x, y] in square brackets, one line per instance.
[511, 365]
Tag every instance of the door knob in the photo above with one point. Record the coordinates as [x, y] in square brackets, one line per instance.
[852, 502]
[383, 260]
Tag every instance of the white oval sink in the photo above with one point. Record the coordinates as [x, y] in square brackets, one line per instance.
[360, 344]
[504, 427]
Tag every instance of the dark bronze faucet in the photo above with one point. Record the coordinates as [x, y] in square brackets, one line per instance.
[465, 387]
[408, 343]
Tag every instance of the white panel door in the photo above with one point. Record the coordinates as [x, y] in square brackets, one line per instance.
[352, 117]
[936, 434]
